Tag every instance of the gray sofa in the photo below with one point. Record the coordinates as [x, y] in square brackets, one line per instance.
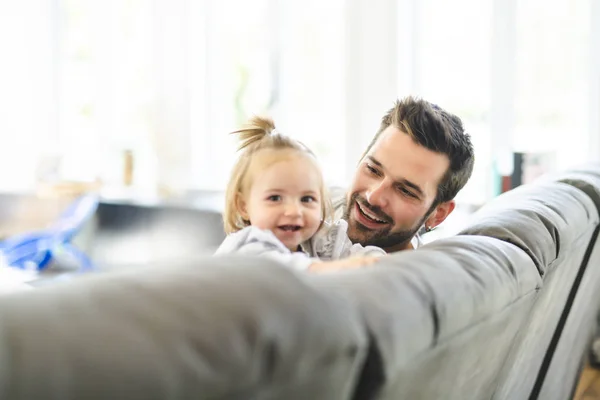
[505, 309]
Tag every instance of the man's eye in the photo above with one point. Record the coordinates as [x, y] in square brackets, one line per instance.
[274, 197]
[372, 170]
[406, 192]
[308, 199]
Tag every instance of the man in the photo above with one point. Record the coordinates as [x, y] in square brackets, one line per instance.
[408, 177]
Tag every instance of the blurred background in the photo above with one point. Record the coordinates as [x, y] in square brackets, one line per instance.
[136, 97]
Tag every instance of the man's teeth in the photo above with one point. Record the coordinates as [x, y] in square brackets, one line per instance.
[371, 216]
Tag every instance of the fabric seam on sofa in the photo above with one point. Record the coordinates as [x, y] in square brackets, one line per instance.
[537, 387]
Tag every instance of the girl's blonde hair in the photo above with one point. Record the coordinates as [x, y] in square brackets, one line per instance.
[257, 135]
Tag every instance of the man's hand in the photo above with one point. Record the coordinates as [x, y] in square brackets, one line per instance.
[343, 264]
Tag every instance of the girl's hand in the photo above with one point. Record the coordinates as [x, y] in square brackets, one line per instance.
[343, 264]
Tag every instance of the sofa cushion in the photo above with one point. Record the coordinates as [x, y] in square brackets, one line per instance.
[220, 328]
[542, 219]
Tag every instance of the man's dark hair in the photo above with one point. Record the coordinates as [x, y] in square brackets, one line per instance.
[435, 129]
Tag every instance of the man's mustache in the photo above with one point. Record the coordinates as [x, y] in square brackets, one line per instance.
[375, 210]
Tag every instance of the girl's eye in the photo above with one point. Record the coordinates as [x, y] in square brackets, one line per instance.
[308, 199]
[274, 197]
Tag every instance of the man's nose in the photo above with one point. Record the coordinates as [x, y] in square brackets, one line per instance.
[376, 195]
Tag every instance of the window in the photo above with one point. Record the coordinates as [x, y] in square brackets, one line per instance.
[84, 81]
[552, 79]
[107, 88]
[27, 77]
[517, 73]
[452, 51]
[311, 79]
[237, 80]
[275, 57]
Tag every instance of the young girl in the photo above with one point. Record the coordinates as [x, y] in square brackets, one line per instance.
[276, 205]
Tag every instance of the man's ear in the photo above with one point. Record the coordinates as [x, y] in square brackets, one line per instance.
[439, 214]
[240, 203]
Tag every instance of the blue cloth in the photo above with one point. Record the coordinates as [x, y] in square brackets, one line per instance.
[40, 247]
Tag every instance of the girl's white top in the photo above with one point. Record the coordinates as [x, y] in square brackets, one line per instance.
[330, 243]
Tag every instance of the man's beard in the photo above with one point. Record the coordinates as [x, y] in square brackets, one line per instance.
[384, 237]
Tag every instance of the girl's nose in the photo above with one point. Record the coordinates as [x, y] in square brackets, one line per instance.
[293, 209]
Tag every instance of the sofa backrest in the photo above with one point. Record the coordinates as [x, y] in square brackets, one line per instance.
[434, 323]
[227, 328]
[554, 223]
[558, 377]
[441, 319]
